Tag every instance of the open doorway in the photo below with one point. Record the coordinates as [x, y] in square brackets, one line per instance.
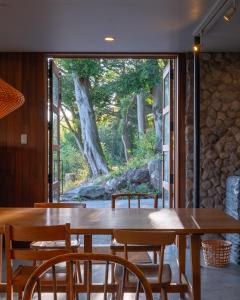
[111, 128]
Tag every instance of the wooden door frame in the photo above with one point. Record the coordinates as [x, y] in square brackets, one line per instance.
[52, 147]
[167, 146]
[179, 109]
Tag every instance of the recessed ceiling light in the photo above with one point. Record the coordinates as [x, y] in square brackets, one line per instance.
[109, 38]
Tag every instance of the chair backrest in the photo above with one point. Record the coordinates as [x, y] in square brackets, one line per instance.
[135, 199]
[29, 234]
[153, 238]
[59, 205]
[74, 287]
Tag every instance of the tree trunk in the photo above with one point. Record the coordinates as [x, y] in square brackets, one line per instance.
[157, 114]
[125, 137]
[141, 113]
[91, 143]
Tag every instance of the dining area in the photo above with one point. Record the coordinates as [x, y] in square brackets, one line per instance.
[138, 101]
[112, 275]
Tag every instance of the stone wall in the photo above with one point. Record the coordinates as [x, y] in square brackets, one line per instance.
[220, 126]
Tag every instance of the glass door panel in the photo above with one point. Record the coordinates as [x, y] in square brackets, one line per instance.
[167, 183]
[54, 132]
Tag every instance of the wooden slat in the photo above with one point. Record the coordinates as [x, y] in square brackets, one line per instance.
[23, 168]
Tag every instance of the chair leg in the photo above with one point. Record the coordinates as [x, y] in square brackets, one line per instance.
[20, 294]
[78, 267]
[155, 257]
[113, 277]
[164, 294]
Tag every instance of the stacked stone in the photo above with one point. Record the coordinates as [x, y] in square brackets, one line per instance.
[189, 131]
[220, 126]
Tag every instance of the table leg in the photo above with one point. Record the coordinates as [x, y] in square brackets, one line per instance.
[88, 243]
[87, 267]
[195, 266]
[181, 242]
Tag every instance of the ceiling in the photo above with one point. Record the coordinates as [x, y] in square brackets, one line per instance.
[137, 25]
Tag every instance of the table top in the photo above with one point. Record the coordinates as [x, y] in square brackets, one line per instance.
[105, 220]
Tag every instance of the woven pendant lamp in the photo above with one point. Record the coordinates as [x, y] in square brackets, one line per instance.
[10, 98]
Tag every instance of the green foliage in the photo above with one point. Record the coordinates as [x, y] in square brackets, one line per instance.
[143, 152]
[114, 84]
[142, 188]
[73, 161]
[110, 137]
[145, 145]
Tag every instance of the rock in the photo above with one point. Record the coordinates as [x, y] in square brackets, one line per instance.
[216, 104]
[215, 181]
[211, 154]
[212, 192]
[212, 138]
[221, 116]
[115, 184]
[220, 190]
[92, 192]
[230, 146]
[237, 122]
[237, 173]
[231, 114]
[235, 106]
[220, 144]
[210, 121]
[155, 172]
[206, 185]
[228, 122]
[218, 163]
[223, 155]
[208, 202]
[138, 176]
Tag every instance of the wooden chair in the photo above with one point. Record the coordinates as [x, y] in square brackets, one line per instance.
[158, 275]
[134, 196]
[138, 198]
[74, 289]
[18, 276]
[75, 243]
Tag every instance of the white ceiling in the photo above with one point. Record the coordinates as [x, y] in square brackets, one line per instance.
[137, 25]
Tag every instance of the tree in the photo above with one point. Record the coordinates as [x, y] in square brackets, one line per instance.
[91, 144]
[85, 75]
[124, 94]
[141, 113]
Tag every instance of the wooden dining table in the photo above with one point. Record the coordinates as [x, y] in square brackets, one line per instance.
[90, 221]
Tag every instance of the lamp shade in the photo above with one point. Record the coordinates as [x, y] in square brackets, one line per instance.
[10, 98]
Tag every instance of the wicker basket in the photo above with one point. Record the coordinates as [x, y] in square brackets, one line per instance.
[216, 253]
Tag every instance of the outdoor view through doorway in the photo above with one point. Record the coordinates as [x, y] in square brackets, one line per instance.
[111, 128]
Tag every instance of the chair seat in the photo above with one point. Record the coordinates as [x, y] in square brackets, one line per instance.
[22, 274]
[54, 244]
[150, 271]
[118, 247]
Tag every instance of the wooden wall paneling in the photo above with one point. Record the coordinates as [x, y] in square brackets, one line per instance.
[23, 168]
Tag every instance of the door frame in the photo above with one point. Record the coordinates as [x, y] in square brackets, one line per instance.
[179, 109]
[53, 184]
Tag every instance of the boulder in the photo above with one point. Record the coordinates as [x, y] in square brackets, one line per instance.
[115, 184]
[138, 176]
[91, 192]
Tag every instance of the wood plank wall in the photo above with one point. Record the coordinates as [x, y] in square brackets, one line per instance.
[23, 168]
